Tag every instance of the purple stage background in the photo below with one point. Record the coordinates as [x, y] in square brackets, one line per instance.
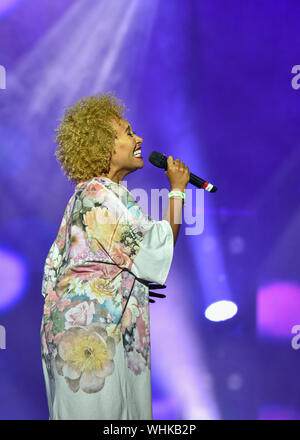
[214, 84]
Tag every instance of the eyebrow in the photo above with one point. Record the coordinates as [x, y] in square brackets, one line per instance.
[128, 128]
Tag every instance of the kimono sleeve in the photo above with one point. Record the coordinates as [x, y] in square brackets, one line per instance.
[116, 223]
[155, 255]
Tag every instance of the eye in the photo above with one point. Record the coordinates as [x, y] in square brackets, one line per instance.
[130, 134]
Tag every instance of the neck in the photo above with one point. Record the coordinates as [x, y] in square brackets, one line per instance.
[116, 176]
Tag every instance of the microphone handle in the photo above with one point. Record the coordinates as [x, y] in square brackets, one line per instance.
[200, 183]
[194, 180]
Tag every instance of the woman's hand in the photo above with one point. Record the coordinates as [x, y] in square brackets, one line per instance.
[177, 173]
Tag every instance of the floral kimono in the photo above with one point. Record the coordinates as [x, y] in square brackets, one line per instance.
[95, 340]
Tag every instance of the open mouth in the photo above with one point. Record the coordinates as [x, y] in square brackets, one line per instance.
[137, 152]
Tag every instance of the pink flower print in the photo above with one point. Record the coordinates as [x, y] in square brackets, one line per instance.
[80, 315]
[50, 285]
[120, 257]
[98, 270]
[93, 189]
[61, 305]
[52, 296]
[136, 362]
[109, 271]
[58, 337]
[48, 334]
[127, 318]
[60, 242]
[47, 310]
[61, 236]
[142, 332]
[78, 243]
[130, 313]
[128, 283]
[85, 357]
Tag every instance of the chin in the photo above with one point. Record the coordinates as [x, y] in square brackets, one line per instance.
[141, 163]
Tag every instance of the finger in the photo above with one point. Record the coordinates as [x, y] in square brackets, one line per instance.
[169, 162]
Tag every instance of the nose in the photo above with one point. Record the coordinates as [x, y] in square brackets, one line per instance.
[139, 140]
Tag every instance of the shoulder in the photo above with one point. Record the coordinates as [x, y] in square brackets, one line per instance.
[100, 193]
[93, 188]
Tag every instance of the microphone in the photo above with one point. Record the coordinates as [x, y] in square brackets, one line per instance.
[160, 161]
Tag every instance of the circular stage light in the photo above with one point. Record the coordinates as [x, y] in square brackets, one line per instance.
[221, 311]
[13, 277]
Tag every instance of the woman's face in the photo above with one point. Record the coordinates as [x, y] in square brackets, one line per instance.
[123, 160]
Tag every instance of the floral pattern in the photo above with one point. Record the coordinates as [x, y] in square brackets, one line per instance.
[93, 301]
[85, 357]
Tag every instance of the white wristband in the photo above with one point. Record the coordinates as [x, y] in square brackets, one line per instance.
[177, 193]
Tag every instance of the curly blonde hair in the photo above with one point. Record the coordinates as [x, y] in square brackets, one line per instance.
[86, 136]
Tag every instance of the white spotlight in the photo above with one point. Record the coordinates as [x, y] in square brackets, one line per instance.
[221, 310]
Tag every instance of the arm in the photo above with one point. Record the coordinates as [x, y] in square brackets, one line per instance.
[178, 175]
[173, 213]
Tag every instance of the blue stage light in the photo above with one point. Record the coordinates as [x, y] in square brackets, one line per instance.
[7, 5]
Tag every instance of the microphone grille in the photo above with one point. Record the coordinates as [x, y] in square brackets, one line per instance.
[158, 159]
